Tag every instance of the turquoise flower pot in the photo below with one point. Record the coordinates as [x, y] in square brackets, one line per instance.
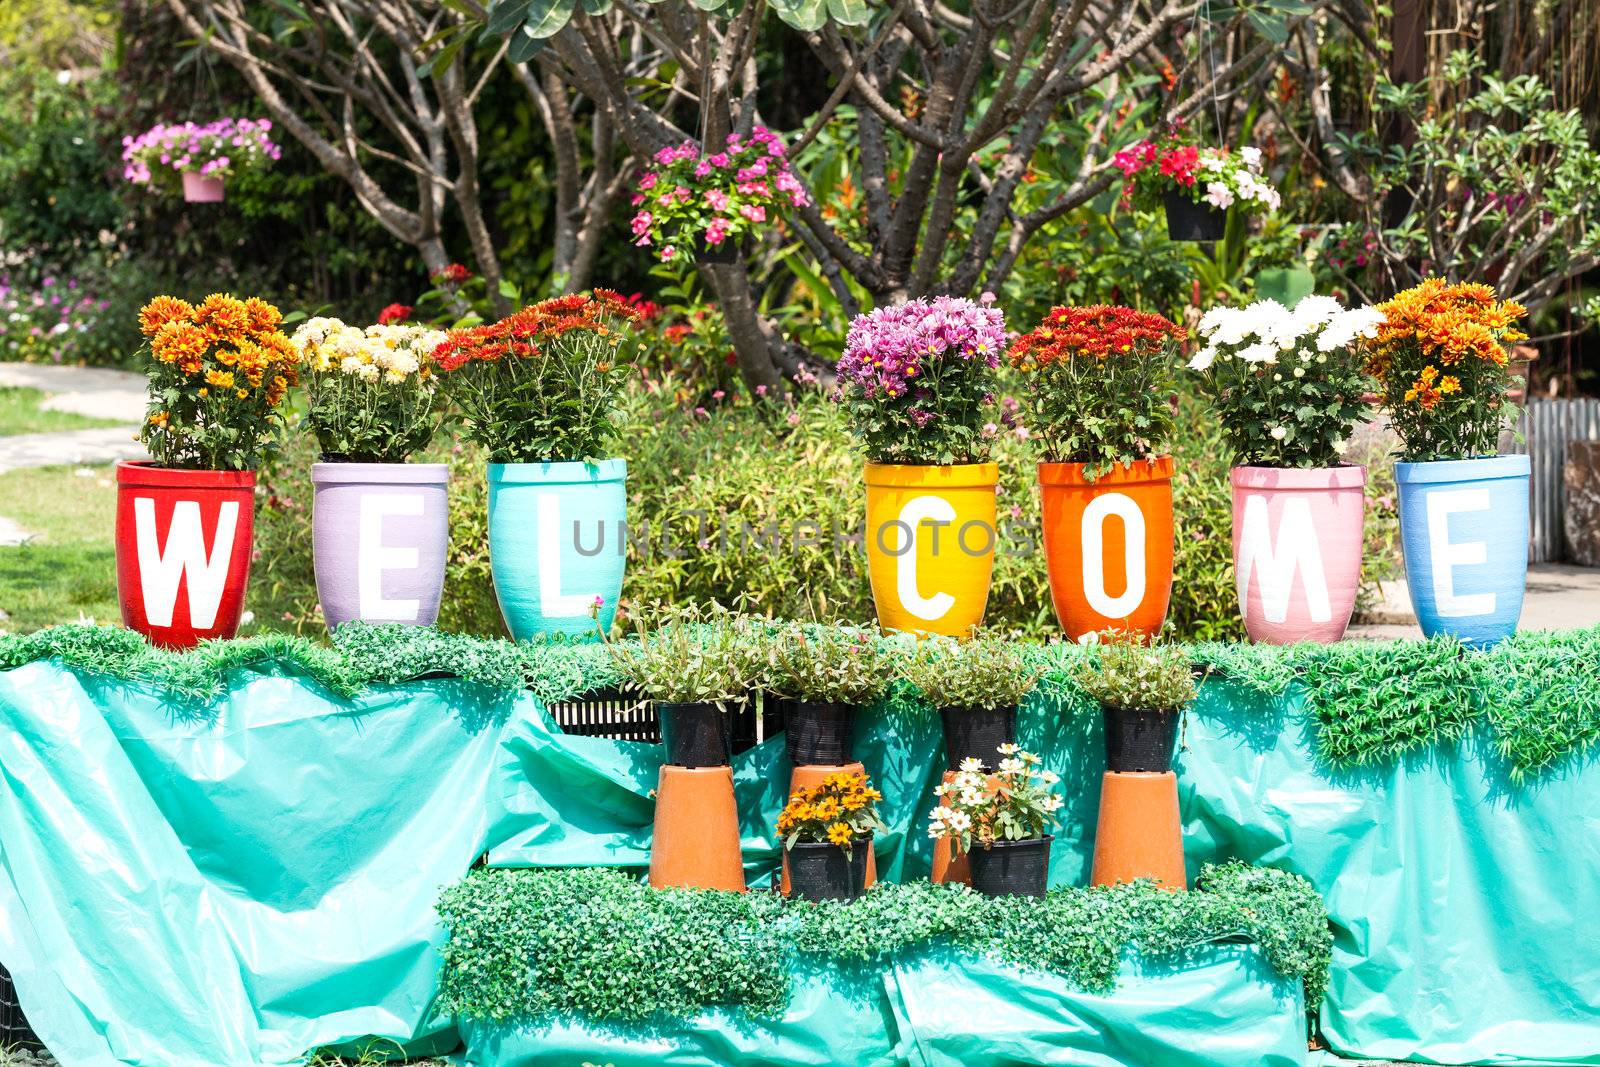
[557, 540]
[1464, 528]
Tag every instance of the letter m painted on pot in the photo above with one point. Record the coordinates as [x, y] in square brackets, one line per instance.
[163, 567]
[1273, 562]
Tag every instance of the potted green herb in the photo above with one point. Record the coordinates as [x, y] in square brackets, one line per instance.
[1142, 690]
[976, 686]
[822, 675]
[827, 833]
[1004, 813]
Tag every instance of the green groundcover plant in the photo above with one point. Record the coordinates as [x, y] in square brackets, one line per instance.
[827, 664]
[596, 943]
[1127, 675]
[983, 672]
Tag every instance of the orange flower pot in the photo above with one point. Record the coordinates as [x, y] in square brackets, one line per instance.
[696, 840]
[1140, 832]
[930, 545]
[1108, 545]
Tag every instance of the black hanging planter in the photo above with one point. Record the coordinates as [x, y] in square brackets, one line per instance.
[1011, 868]
[819, 870]
[978, 732]
[1189, 221]
[696, 735]
[1140, 740]
[818, 734]
[726, 252]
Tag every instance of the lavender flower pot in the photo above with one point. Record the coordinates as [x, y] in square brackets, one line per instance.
[379, 537]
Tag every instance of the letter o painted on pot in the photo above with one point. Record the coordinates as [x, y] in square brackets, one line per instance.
[1095, 515]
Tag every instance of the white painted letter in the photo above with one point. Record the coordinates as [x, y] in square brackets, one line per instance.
[552, 602]
[1094, 571]
[1274, 564]
[1445, 557]
[918, 510]
[373, 558]
[162, 567]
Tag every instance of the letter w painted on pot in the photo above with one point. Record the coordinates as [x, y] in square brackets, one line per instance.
[937, 512]
[1273, 564]
[552, 602]
[162, 567]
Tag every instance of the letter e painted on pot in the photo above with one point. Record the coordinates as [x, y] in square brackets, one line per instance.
[1274, 563]
[1094, 570]
[373, 557]
[552, 602]
[163, 567]
[917, 511]
[1446, 556]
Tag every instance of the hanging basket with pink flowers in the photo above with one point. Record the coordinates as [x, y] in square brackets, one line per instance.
[199, 158]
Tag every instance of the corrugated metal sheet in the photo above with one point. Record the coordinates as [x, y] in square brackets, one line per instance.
[1547, 426]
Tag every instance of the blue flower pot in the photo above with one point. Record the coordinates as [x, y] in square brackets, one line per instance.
[557, 540]
[1464, 529]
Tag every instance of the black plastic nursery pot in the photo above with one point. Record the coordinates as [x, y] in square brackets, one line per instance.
[1189, 221]
[1140, 740]
[1011, 868]
[726, 252]
[978, 732]
[696, 735]
[819, 734]
[820, 870]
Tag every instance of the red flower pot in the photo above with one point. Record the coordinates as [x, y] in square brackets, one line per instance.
[183, 551]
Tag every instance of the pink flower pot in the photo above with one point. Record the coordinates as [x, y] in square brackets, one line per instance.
[1297, 551]
[198, 189]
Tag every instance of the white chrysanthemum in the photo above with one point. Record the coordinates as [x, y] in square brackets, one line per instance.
[1225, 326]
[1203, 359]
[1261, 352]
[1345, 327]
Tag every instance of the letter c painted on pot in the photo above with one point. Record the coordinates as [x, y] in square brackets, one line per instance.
[1094, 572]
[918, 510]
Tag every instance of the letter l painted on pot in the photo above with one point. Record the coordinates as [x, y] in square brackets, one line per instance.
[161, 568]
[1274, 565]
[1446, 557]
[554, 604]
[916, 511]
[373, 557]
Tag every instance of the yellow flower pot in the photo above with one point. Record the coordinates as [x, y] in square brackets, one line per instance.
[930, 545]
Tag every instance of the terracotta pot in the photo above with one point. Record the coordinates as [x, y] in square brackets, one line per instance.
[557, 534]
[1464, 530]
[201, 190]
[183, 551]
[930, 545]
[819, 870]
[1139, 832]
[1189, 221]
[1297, 546]
[379, 535]
[1011, 868]
[1108, 545]
[695, 838]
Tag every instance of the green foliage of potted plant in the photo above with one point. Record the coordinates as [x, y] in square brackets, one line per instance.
[694, 664]
[827, 832]
[976, 686]
[822, 675]
[1004, 813]
[1142, 690]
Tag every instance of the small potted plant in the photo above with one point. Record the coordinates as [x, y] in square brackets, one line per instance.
[916, 380]
[1099, 408]
[1143, 690]
[699, 205]
[538, 390]
[380, 525]
[1442, 364]
[999, 818]
[202, 157]
[976, 686]
[218, 374]
[1288, 385]
[1195, 186]
[823, 675]
[827, 835]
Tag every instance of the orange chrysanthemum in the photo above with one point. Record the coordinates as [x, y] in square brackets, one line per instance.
[223, 318]
[1099, 332]
[179, 341]
[162, 310]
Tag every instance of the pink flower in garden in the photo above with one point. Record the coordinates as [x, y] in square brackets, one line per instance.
[794, 418]
[754, 212]
[717, 231]
[641, 223]
[887, 348]
[648, 180]
[757, 189]
[702, 168]
[717, 199]
[668, 252]
[719, 160]
[718, 394]
[665, 156]
[761, 390]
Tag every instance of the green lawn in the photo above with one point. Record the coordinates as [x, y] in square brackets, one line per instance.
[69, 566]
[20, 413]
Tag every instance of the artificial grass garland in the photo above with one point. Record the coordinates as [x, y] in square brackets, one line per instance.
[1370, 704]
[596, 943]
